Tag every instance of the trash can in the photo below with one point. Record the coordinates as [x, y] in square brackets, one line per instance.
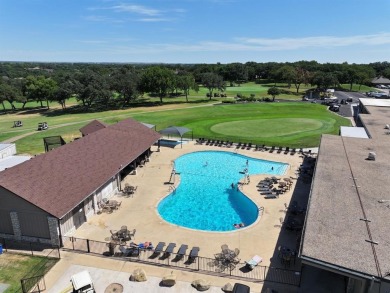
[1, 248]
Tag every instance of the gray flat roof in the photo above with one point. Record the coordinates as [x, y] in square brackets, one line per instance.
[12, 161]
[358, 132]
[346, 189]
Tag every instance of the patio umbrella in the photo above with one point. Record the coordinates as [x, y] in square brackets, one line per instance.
[175, 130]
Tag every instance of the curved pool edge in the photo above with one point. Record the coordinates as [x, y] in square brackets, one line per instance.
[258, 207]
[259, 215]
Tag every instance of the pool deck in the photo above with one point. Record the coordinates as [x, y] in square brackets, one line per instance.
[139, 212]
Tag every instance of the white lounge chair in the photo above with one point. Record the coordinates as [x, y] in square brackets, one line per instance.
[253, 262]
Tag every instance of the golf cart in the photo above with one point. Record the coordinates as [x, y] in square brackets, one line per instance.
[42, 126]
[82, 283]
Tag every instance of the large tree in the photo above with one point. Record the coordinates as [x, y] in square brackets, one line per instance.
[11, 91]
[39, 88]
[157, 80]
[186, 81]
[273, 91]
[67, 86]
[213, 81]
[92, 87]
[126, 81]
[235, 73]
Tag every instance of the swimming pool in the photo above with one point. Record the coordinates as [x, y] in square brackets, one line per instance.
[205, 199]
[171, 143]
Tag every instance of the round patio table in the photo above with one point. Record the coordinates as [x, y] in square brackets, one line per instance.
[114, 288]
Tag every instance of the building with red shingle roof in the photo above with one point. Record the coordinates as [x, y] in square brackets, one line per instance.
[54, 193]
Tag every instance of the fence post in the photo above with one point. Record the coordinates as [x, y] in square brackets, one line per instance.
[88, 246]
[198, 263]
[32, 252]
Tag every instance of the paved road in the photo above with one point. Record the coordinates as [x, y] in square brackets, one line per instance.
[345, 95]
[348, 109]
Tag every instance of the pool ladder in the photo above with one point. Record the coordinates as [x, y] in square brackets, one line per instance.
[172, 188]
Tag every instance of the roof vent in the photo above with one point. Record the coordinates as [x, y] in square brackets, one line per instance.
[387, 126]
[371, 156]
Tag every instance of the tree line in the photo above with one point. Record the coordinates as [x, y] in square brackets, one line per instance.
[101, 85]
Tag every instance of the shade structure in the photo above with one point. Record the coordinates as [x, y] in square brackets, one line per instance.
[175, 130]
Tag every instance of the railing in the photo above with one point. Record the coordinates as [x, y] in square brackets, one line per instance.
[34, 281]
[25, 247]
[173, 260]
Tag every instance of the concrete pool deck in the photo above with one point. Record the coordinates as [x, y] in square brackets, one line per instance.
[139, 212]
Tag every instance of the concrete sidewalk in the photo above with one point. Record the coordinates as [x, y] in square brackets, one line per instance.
[105, 271]
[102, 278]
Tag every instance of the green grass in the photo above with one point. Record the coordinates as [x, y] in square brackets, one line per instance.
[285, 124]
[14, 267]
[357, 88]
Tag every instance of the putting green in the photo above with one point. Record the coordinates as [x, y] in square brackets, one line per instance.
[261, 127]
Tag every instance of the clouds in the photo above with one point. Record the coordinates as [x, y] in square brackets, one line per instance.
[317, 41]
[262, 44]
[125, 12]
[136, 9]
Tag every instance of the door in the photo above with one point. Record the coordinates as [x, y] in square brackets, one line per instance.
[79, 215]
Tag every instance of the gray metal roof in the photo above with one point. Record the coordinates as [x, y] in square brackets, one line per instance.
[347, 188]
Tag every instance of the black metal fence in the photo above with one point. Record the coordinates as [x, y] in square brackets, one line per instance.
[200, 264]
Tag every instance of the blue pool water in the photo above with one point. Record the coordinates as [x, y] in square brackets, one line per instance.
[205, 199]
[170, 142]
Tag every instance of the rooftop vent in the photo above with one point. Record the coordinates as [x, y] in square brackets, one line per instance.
[371, 156]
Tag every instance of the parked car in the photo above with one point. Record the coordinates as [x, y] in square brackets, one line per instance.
[380, 96]
[42, 126]
[349, 100]
[334, 108]
[371, 93]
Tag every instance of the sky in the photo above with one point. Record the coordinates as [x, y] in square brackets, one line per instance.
[195, 31]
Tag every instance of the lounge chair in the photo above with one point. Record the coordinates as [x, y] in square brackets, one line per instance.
[266, 192]
[287, 150]
[168, 251]
[253, 262]
[193, 254]
[129, 251]
[159, 248]
[181, 252]
[271, 195]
